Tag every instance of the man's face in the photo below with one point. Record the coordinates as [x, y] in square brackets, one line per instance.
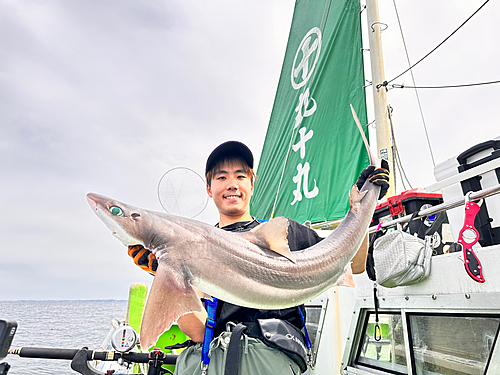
[231, 189]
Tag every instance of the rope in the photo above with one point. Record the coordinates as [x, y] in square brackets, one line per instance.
[416, 92]
[439, 45]
[397, 86]
[397, 157]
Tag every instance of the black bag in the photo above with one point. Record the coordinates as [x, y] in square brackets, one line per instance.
[370, 264]
[284, 336]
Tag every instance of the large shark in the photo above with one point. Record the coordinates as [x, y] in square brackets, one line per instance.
[254, 269]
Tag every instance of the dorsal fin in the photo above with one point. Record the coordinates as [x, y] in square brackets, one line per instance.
[272, 235]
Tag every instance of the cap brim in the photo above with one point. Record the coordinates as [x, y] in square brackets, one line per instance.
[228, 149]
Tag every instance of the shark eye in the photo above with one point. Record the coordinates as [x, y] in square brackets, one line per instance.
[117, 211]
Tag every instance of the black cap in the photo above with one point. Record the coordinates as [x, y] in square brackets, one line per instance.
[228, 149]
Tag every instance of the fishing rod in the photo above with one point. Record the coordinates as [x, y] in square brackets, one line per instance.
[79, 357]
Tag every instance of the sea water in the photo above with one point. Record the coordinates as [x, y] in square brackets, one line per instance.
[58, 324]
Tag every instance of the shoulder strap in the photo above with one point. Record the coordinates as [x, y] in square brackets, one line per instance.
[370, 264]
[310, 358]
[232, 366]
[211, 307]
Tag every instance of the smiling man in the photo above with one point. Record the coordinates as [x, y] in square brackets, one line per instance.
[230, 182]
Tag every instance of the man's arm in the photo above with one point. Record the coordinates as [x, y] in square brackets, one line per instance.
[359, 261]
[193, 325]
[380, 177]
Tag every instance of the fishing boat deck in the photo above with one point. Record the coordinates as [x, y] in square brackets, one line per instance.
[447, 324]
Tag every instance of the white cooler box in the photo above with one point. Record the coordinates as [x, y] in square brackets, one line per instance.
[487, 221]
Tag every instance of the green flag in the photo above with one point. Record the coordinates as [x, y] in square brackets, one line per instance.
[313, 151]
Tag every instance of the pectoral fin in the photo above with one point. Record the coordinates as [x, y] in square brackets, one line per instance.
[171, 296]
[272, 235]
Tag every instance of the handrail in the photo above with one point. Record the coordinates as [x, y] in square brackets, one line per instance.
[474, 196]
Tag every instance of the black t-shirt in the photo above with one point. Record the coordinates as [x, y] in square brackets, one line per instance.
[299, 238]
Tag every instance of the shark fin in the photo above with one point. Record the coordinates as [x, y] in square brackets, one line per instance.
[346, 279]
[272, 235]
[373, 160]
[355, 196]
[171, 296]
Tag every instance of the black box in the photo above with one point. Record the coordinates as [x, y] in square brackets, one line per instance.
[473, 157]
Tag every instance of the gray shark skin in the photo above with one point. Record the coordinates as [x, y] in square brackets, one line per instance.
[253, 269]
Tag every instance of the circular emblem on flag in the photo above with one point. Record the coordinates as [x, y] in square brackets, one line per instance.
[306, 58]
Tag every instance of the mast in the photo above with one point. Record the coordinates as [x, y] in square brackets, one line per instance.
[384, 147]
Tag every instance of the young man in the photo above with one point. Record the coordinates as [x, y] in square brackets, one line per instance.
[230, 182]
[230, 178]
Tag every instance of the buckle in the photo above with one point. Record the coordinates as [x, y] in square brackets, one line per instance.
[210, 323]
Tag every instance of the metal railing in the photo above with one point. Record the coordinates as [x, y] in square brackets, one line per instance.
[472, 196]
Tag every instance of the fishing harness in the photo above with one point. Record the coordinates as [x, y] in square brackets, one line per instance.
[232, 358]
[211, 307]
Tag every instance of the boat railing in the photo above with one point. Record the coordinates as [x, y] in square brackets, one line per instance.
[471, 196]
[457, 178]
[460, 201]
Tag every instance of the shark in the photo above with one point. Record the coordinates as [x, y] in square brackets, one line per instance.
[254, 269]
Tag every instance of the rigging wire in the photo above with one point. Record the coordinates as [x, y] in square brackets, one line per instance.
[435, 48]
[397, 158]
[413, 80]
[402, 86]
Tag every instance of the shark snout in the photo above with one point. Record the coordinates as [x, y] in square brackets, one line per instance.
[92, 201]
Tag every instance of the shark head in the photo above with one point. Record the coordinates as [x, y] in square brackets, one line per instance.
[125, 222]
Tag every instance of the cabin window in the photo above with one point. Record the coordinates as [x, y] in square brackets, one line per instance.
[452, 345]
[384, 350]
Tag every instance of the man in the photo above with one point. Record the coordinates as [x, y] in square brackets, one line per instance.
[230, 183]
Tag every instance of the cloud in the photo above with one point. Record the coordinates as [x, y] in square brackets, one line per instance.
[106, 97]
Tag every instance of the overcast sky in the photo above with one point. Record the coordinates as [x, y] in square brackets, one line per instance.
[106, 96]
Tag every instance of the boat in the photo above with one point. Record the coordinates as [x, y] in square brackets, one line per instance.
[449, 322]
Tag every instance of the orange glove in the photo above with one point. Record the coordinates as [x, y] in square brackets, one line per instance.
[143, 258]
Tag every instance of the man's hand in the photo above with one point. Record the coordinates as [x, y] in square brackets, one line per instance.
[143, 258]
[377, 176]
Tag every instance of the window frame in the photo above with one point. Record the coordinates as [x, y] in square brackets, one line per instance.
[359, 326]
